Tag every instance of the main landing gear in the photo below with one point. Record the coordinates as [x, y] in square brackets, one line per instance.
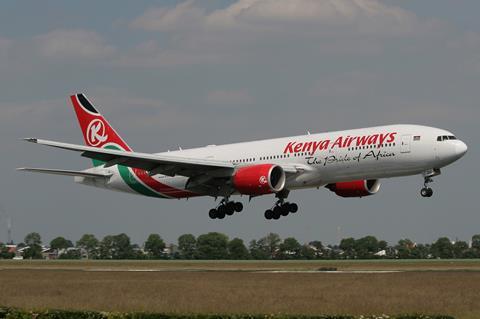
[280, 209]
[226, 208]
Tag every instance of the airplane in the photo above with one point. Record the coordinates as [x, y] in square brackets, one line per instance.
[349, 163]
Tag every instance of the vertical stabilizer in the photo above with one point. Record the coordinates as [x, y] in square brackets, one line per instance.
[97, 132]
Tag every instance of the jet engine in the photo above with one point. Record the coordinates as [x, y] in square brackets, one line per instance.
[359, 188]
[259, 179]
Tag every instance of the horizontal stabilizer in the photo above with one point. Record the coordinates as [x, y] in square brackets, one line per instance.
[63, 172]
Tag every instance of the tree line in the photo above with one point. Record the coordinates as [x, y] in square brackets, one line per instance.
[216, 245]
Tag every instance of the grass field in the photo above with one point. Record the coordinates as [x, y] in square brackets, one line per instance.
[445, 287]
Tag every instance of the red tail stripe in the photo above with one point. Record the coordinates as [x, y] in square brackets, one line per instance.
[85, 118]
[159, 187]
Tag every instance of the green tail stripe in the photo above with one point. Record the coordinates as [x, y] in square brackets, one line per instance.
[97, 163]
[129, 178]
[132, 182]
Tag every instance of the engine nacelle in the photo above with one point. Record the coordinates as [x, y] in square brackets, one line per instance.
[359, 188]
[259, 179]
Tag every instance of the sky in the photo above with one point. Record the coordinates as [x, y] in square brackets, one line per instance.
[169, 74]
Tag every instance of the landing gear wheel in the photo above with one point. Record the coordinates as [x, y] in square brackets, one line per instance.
[268, 214]
[220, 215]
[277, 212]
[428, 179]
[429, 192]
[293, 208]
[221, 211]
[426, 192]
[284, 209]
[230, 208]
[238, 207]
[212, 213]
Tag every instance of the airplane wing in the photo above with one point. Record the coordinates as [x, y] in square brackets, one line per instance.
[64, 172]
[154, 164]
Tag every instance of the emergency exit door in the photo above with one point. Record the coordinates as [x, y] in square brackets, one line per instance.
[405, 146]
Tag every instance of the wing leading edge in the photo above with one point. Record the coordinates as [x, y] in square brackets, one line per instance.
[154, 164]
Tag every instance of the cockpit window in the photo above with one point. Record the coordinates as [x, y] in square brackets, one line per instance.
[445, 138]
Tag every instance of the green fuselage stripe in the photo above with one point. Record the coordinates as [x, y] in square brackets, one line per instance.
[129, 178]
[133, 183]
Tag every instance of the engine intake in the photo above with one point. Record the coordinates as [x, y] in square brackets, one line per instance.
[358, 188]
[259, 179]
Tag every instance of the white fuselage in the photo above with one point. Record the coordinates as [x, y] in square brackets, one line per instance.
[325, 158]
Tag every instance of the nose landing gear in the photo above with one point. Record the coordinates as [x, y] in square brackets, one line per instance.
[427, 176]
[426, 191]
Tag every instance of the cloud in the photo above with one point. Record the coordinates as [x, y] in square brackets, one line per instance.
[254, 30]
[74, 44]
[184, 15]
[232, 97]
[138, 112]
[360, 15]
[150, 54]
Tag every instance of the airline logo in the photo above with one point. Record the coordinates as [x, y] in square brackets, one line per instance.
[312, 147]
[263, 180]
[96, 132]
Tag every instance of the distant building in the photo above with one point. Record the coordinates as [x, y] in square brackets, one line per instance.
[11, 248]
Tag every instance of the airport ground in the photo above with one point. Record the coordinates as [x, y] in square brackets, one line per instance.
[298, 287]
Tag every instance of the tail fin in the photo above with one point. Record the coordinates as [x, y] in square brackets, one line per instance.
[96, 130]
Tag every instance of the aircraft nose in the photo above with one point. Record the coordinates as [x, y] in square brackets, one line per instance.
[461, 148]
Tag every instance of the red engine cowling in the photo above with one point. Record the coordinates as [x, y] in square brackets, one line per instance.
[355, 188]
[259, 179]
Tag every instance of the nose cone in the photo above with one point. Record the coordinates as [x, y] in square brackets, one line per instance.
[461, 148]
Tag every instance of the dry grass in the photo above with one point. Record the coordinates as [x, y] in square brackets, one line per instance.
[227, 265]
[446, 292]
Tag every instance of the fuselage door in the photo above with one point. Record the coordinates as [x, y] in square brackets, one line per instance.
[405, 147]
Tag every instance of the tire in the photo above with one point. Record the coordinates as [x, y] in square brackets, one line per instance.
[238, 207]
[429, 192]
[230, 210]
[285, 209]
[293, 208]
[212, 213]
[424, 192]
[268, 214]
[230, 207]
[221, 211]
[277, 210]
